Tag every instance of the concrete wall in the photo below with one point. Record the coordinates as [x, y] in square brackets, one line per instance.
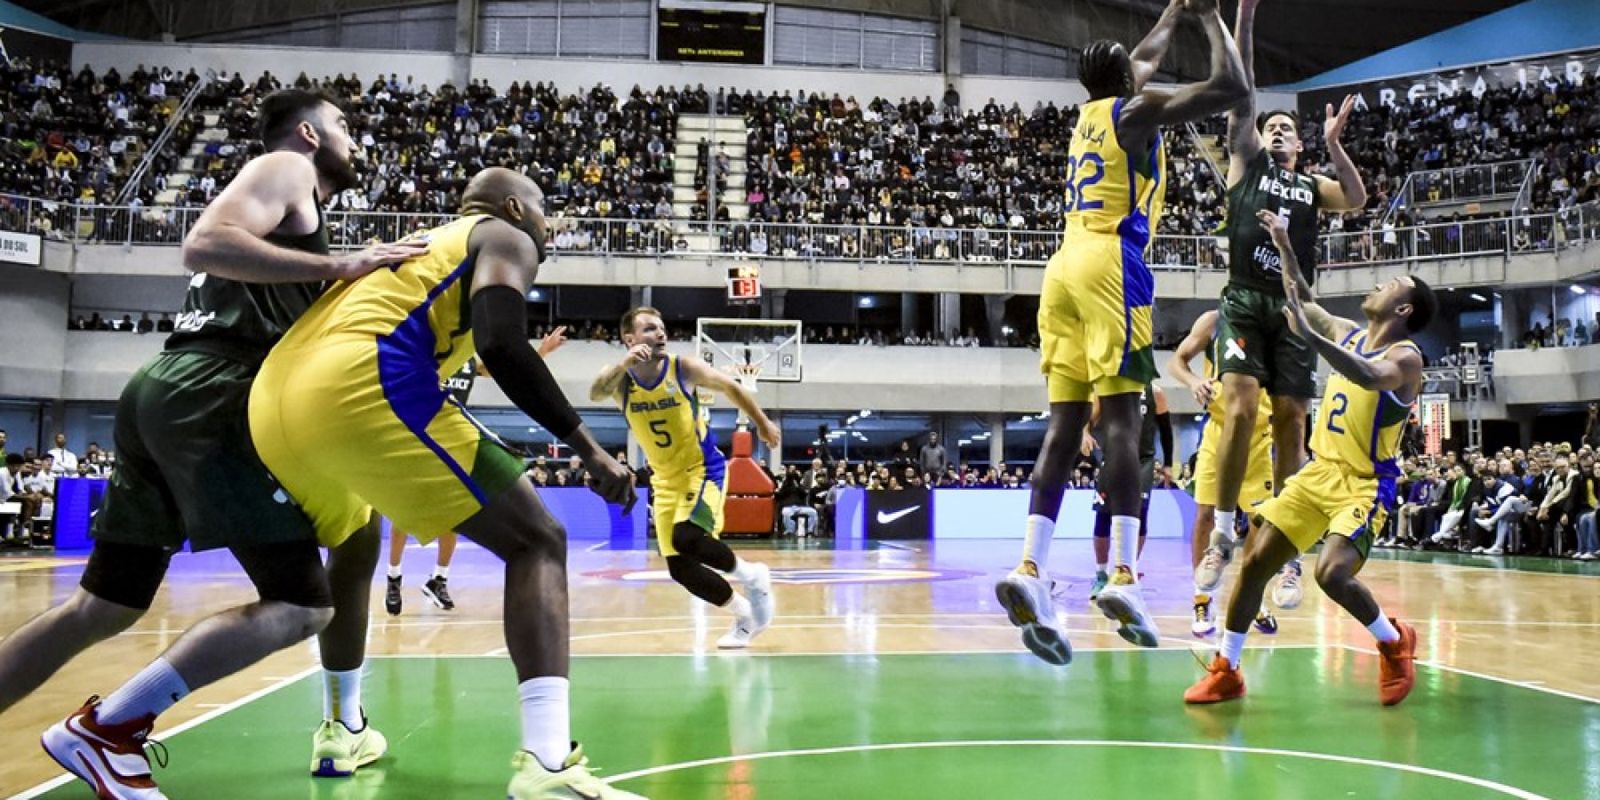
[33, 331]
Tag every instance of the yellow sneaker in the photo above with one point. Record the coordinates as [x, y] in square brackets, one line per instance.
[338, 753]
[572, 782]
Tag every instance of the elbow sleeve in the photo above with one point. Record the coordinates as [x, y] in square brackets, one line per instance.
[500, 330]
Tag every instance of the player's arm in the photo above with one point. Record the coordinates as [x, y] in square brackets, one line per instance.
[229, 239]
[1164, 429]
[1227, 86]
[1244, 141]
[1192, 346]
[699, 373]
[506, 265]
[609, 382]
[1294, 284]
[1349, 193]
[1147, 56]
[1400, 369]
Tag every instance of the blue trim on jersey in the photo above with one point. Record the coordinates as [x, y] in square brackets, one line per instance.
[715, 463]
[408, 371]
[659, 378]
[1345, 342]
[1155, 172]
[1138, 290]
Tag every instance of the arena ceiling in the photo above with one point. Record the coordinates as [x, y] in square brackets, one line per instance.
[1295, 38]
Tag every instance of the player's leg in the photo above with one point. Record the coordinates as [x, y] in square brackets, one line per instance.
[1205, 623]
[1241, 399]
[437, 589]
[1102, 551]
[1122, 600]
[1292, 384]
[344, 741]
[1265, 550]
[1341, 560]
[393, 600]
[116, 589]
[517, 528]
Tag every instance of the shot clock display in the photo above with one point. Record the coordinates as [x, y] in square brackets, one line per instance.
[744, 284]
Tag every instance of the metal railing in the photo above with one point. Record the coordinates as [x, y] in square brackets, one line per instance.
[1473, 182]
[858, 244]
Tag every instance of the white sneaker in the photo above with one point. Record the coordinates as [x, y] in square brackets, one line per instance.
[1027, 602]
[1485, 524]
[1288, 593]
[1124, 603]
[1478, 549]
[1205, 623]
[1208, 575]
[1493, 551]
[110, 758]
[738, 637]
[759, 591]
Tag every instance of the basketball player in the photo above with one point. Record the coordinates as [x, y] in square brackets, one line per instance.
[187, 470]
[1094, 312]
[1157, 421]
[437, 587]
[349, 412]
[1257, 487]
[656, 391]
[1260, 353]
[1343, 496]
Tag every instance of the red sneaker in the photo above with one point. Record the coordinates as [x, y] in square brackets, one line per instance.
[1397, 667]
[1222, 682]
[109, 758]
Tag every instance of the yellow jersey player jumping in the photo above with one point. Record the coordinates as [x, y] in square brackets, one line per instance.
[350, 413]
[656, 391]
[1095, 306]
[1208, 562]
[1344, 495]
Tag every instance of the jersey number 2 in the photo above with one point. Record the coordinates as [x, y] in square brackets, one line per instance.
[1341, 403]
[663, 436]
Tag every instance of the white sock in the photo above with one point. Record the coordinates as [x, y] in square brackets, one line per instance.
[394, 571]
[546, 731]
[1225, 529]
[1383, 629]
[743, 571]
[1036, 540]
[1233, 646]
[341, 697]
[1125, 543]
[443, 573]
[738, 606]
[1099, 566]
[155, 689]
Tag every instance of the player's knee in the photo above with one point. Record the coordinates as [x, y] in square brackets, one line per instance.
[1333, 575]
[100, 618]
[686, 538]
[308, 621]
[680, 567]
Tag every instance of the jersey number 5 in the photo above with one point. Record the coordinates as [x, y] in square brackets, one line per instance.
[663, 436]
[1077, 188]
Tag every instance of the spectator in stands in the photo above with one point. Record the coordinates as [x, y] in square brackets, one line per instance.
[1457, 492]
[932, 458]
[1550, 526]
[65, 462]
[1582, 501]
[793, 503]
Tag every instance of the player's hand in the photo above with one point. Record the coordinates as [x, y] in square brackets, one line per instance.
[1295, 312]
[638, 354]
[1275, 226]
[1089, 444]
[1333, 126]
[1200, 7]
[354, 265]
[770, 434]
[610, 480]
[1204, 392]
[553, 341]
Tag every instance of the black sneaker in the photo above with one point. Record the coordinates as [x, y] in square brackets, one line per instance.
[438, 593]
[391, 597]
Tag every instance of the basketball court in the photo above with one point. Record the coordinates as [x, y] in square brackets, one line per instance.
[889, 671]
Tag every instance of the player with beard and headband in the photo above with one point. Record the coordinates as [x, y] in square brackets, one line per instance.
[1257, 351]
[1095, 310]
[187, 469]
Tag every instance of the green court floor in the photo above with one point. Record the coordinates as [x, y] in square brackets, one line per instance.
[924, 726]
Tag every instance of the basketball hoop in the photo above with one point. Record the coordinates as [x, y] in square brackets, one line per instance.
[748, 375]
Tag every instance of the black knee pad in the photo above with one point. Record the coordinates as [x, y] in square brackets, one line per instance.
[700, 581]
[287, 572]
[125, 574]
[693, 541]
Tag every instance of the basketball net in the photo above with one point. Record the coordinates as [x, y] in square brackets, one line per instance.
[748, 376]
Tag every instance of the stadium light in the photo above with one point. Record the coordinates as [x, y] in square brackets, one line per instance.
[1576, 289]
[1480, 298]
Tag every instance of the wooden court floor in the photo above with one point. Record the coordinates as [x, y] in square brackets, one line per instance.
[895, 665]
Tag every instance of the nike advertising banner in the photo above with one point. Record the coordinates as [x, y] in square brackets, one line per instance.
[899, 514]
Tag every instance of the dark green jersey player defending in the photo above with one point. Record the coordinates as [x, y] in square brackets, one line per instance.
[1257, 349]
[187, 469]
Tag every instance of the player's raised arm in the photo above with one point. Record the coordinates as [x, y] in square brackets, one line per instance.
[1147, 56]
[1244, 141]
[1226, 87]
[699, 373]
[1295, 288]
[609, 382]
[1349, 192]
[1193, 345]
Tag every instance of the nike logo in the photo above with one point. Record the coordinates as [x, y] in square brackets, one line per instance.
[885, 519]
[1234, 351]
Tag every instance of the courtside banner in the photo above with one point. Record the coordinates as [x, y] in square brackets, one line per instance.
[899, 514]
[21, 248]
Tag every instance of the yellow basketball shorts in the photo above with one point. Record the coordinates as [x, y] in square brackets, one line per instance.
[1094, 319]
[692, 497]
[1325, 497]
[344, 437]
[1257, 485]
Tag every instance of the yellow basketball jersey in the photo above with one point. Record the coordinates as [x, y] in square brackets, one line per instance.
[1110, 191]
[1216, 410]
[1361, 428]
[665, 417]
[418, 312]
